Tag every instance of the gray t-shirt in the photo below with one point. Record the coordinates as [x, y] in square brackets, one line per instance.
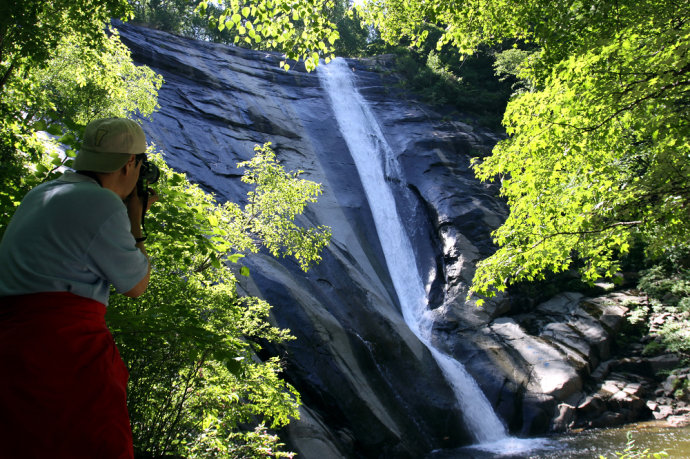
[70, 235]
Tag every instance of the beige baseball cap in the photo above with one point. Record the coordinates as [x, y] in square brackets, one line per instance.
[108, 144]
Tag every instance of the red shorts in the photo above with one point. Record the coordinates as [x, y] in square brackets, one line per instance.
[62, 382]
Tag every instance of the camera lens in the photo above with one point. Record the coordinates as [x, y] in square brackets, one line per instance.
[149, 172]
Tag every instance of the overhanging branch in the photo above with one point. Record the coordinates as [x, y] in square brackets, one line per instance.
[581, 233]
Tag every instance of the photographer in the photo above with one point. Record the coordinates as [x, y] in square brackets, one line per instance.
[63, 383]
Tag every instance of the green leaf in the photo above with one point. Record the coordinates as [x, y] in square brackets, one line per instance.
[54, 129]
[40, 125]
[234, 366]
[234, 258]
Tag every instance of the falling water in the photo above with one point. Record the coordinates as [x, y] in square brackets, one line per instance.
[375, 163]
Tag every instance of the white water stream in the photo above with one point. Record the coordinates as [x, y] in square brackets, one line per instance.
[370, 151]
[376, 164]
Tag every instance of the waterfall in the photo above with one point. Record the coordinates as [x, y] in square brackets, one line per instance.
[376, 164]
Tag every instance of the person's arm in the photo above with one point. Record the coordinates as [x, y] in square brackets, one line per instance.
[134, 211]
[140, 288]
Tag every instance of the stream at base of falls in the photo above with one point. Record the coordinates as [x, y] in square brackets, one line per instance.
[652, 435]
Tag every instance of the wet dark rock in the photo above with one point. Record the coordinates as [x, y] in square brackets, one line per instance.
[608, 419]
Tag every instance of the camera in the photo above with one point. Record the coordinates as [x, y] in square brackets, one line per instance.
[148, 174]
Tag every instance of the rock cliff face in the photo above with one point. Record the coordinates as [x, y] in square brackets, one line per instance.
[370, 388]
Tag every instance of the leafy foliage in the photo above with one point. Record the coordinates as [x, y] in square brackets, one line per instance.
[256, 444]
[81, 83]
[598, 148]
[631, 451]
[208, 21]
[266, 220]
[278, 198]
[299, 28]
[671, 287]
[355, 37]
[514, 63]
[667, 284]
[30, 33]
[441, 78]
[77, 84]
[174, 16]
[30, 30]
[196, 385]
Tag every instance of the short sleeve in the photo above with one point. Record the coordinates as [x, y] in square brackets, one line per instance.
[114, 255]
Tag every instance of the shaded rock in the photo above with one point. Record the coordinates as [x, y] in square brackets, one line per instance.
[637, 365]
[315, 438]
[602, 370]
[550, 373]
[624, 394]
[664, 362]
[592, 407]
[565, 418]
[608, 419]
[538, 413]
[610, 309]
[672, 382]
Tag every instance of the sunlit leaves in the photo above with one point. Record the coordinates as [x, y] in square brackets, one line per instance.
[598, 149]
[194, 227]
[299, 28]
[190, 340]
[90, 83]
[32, 29]
[598, 156]
[75, 85]
[279, 197]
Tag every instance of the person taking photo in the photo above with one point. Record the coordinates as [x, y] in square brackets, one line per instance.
[63, 383]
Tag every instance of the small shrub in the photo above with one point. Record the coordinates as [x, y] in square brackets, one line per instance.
[631, 451]
[653, 348]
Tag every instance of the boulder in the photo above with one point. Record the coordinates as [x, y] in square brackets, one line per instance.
[565, 418]
[678, 421]
[549, 372]
[664, 362]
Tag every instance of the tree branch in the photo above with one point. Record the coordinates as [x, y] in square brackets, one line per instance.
[6, 75]
[573, 233]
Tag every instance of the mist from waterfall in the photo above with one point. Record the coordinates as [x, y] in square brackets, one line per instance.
[377, 164]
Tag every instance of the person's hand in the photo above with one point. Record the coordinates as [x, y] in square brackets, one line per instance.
[135, 204]
[153, 197]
